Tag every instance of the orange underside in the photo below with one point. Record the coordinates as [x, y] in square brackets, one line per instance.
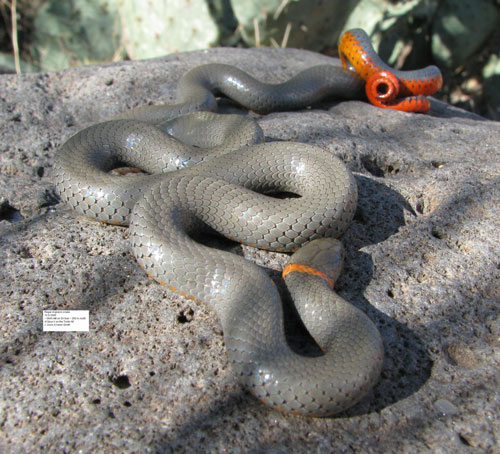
[408, 95]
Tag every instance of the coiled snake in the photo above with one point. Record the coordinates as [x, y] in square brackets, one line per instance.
[221, 178]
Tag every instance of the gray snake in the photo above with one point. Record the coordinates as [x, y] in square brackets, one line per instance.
[220, 182]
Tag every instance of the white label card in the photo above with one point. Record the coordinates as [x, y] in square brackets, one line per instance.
[66, 320]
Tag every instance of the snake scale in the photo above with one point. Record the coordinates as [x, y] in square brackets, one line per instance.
[207, 171]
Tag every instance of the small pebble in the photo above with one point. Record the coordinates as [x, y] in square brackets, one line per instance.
[445, 407]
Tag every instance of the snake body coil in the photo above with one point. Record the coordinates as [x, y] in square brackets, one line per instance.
[197, 90]
[221, 182]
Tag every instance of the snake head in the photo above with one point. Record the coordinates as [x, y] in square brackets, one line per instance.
[322, 257]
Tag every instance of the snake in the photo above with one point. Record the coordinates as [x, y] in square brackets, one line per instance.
[205, 172]
[387, 87]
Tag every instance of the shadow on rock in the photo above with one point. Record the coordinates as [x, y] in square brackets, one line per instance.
[407, 365]
[379, 215]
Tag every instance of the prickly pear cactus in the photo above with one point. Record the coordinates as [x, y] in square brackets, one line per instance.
[311, 24]
[166, 26]
[460, 28]
[75, 32]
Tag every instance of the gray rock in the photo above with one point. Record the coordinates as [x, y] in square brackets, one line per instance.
[152, 375]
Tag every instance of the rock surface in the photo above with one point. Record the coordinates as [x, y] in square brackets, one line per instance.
[423, 260]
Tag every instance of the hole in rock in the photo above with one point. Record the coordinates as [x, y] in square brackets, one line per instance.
[370, 164]
[392, 170]
[185, 316]
[9, 213]
[436, 233]
[463, 440]
[121, 381]
[420, 207]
